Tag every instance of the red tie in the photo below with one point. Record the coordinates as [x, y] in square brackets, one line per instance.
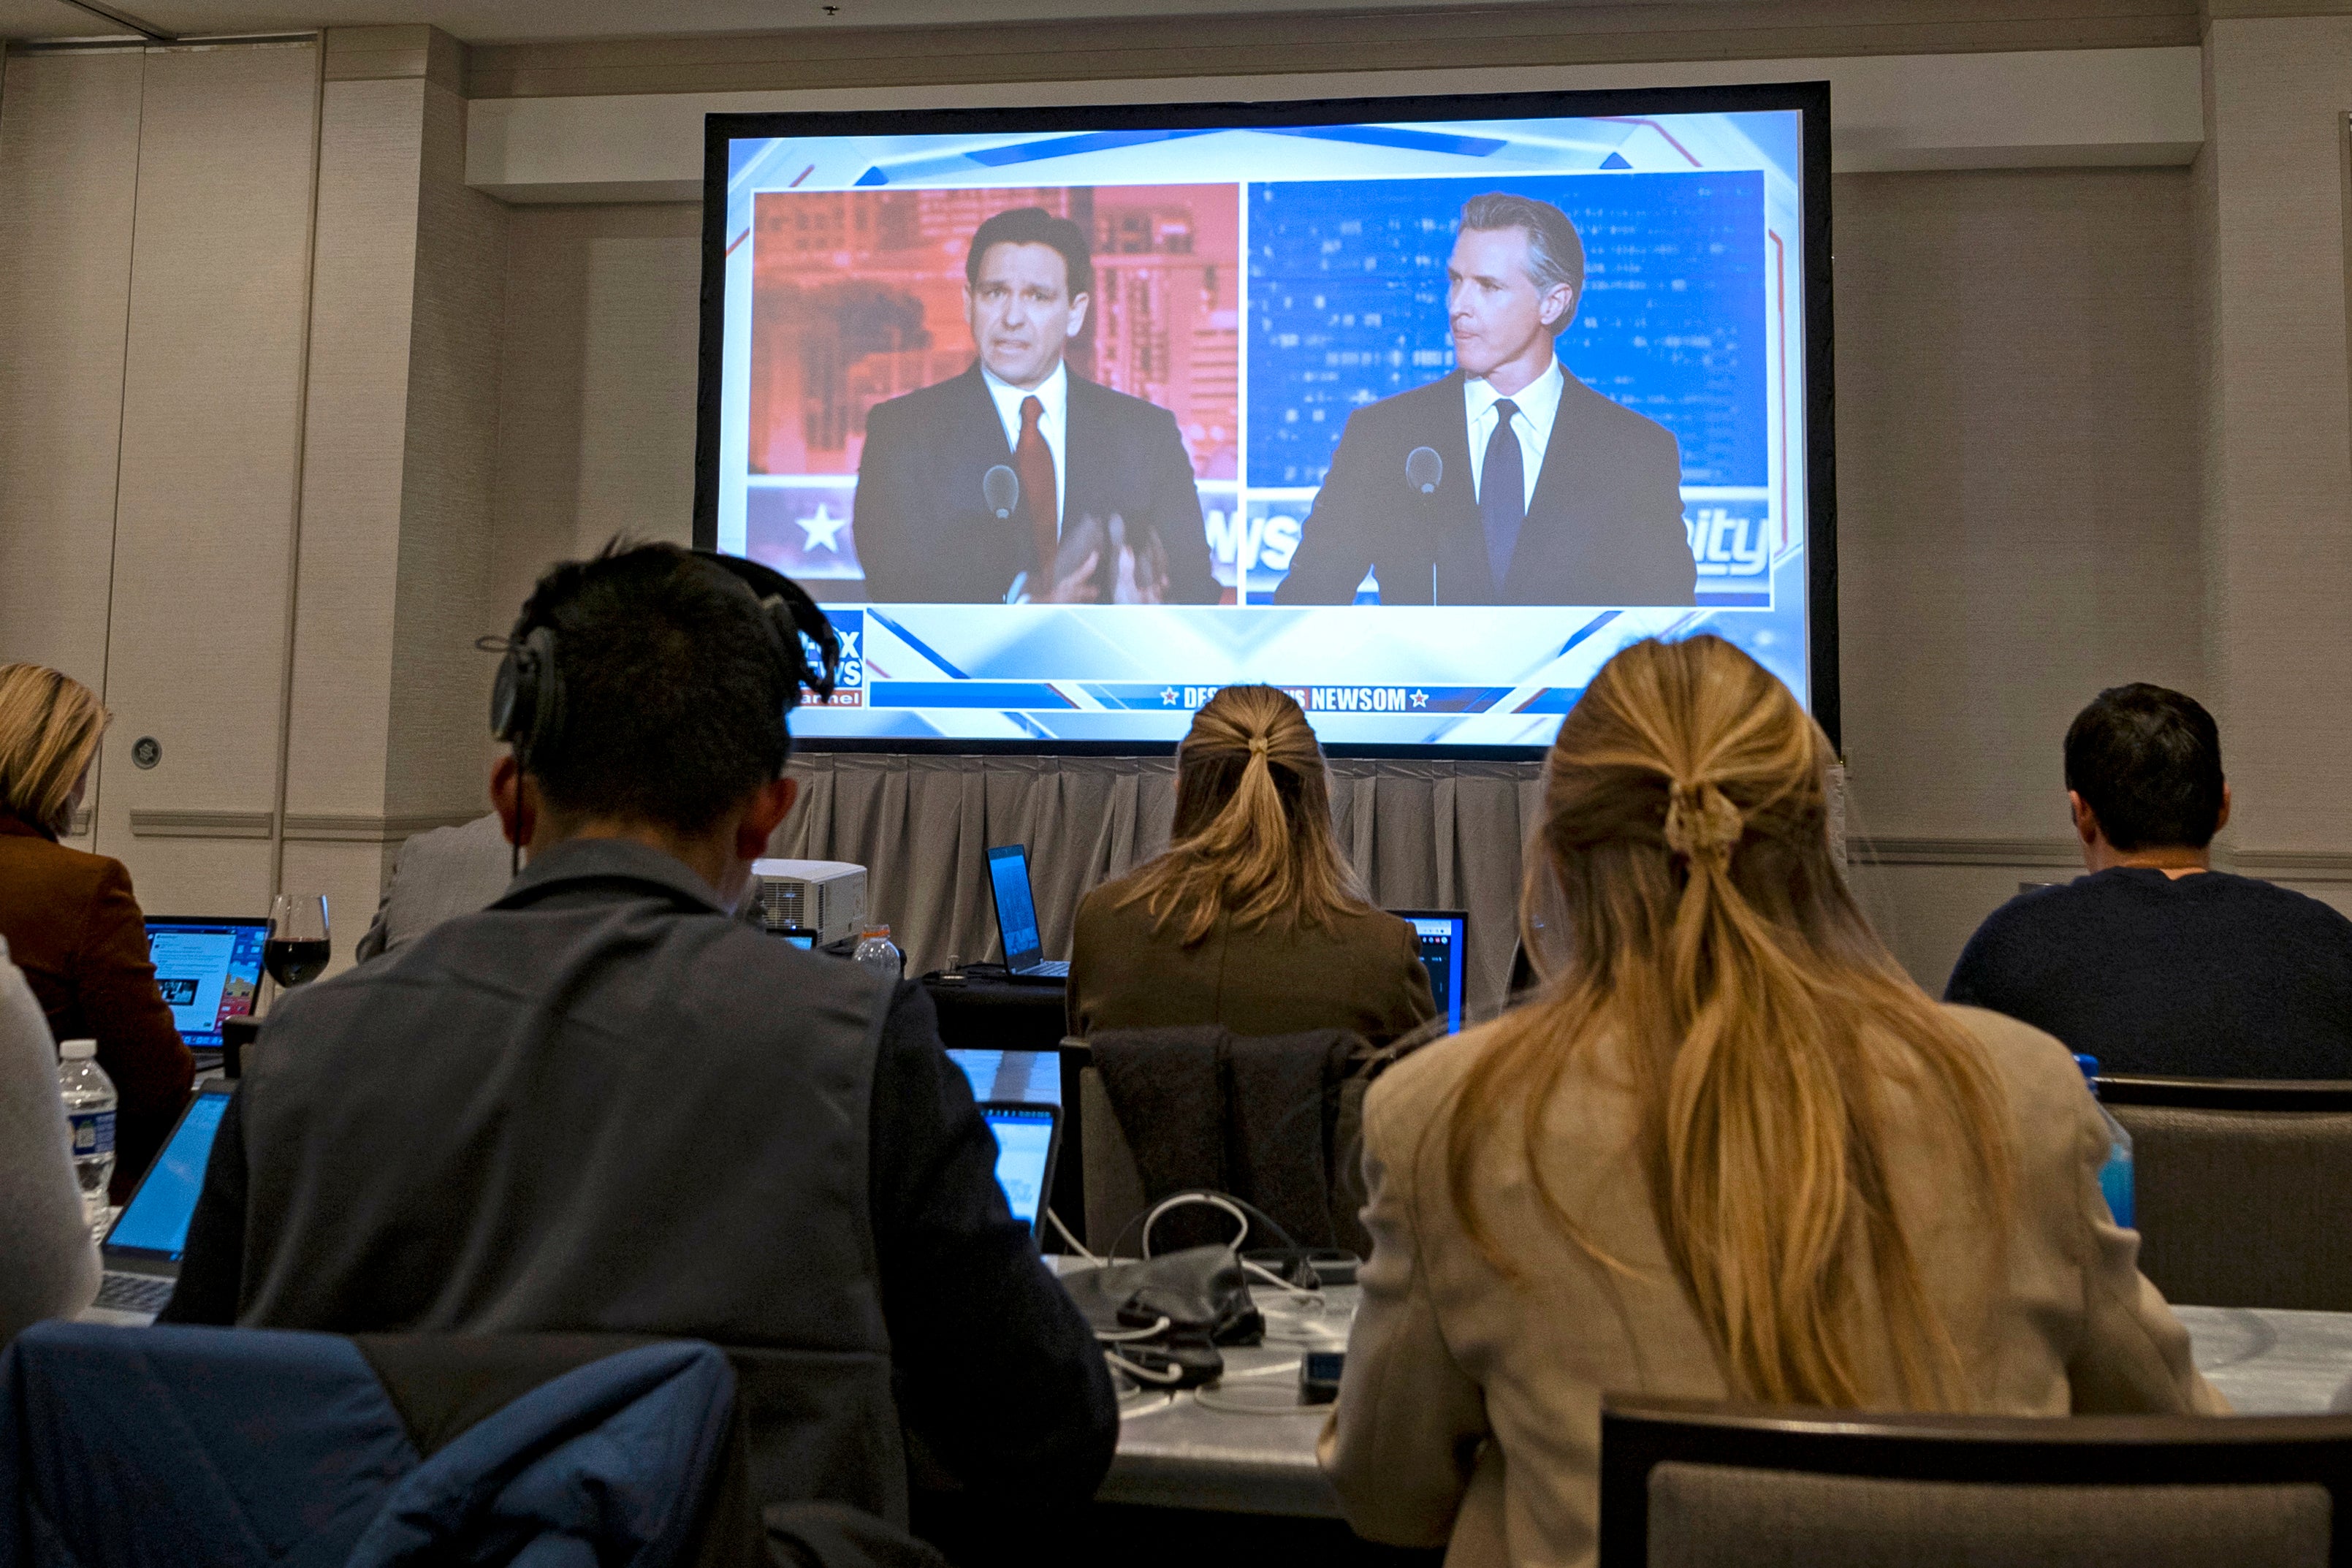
[1033, 460]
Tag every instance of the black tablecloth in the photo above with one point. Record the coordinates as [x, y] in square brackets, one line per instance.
[978, 1014]
[998, 1015]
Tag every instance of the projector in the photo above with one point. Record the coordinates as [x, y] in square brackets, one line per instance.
[827, 896]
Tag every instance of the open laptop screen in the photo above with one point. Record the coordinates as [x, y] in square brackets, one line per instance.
[154, 1223]
[1441, 935]
[1024, 1152]
[1032, 1077]
[208, 970]
[1016, 912]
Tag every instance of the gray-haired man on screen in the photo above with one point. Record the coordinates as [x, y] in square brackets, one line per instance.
[1509, 481]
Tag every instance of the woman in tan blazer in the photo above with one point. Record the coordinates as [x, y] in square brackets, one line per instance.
[1250, 918]
[71, 920]
[1729, 1151]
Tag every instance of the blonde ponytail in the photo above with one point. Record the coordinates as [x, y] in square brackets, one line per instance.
[1253, 832]
[1712, 937]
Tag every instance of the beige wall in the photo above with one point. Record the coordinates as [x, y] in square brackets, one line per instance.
[211, 446]
[596, 393]
[68, 166]
[250, 319]
[2280, 522]
[2018, 509]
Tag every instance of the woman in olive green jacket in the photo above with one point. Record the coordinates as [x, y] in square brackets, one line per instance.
[1251, 919]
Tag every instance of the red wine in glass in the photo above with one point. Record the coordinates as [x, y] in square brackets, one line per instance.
[296, 961]
[296, 950]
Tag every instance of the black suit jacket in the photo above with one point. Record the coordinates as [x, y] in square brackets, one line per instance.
[1605, 528]
[925, 534]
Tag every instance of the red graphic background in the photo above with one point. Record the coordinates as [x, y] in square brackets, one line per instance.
[857, 296]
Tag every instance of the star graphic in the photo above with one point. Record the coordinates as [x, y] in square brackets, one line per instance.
[1168, 699]
[823, 528]
[1421, 698]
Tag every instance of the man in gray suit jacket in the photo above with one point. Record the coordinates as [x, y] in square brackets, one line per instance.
[448, 871]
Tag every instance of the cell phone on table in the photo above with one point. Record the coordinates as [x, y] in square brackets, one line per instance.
[799, 936]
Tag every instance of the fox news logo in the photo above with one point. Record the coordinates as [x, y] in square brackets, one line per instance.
[849, 625]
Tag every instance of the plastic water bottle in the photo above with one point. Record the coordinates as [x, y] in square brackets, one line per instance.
[90, 1098]
[877, 952]
[2115, 1175]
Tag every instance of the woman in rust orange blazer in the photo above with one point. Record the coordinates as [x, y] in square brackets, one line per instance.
[70, 919]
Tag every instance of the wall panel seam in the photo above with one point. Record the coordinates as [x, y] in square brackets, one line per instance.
[122, 405]
[302, 440]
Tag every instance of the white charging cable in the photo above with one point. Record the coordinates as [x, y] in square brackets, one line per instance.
[1181, 1200]
[1075, 1245]
[1174, 1374]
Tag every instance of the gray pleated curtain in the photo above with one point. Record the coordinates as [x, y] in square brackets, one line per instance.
[1421, 834]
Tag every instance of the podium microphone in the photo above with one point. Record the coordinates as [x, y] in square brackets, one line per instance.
[1001, 488]
[1424, 469]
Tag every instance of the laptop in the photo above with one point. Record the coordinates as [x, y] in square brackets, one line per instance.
[1018, 1077]
[1444, 934]
[208, 969]
[143, 1251]
[1017, 917]
[1028, 1142]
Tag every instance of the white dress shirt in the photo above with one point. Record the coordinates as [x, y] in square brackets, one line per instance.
[1053, 393]
[1538, 404]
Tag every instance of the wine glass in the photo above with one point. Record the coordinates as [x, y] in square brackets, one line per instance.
[296, 952]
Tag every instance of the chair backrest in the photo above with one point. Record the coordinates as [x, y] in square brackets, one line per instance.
[1276, 1119]
[2241, 1188]
[124, 1448]
[1696, 1484]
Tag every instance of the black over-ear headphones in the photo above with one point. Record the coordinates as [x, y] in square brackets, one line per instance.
[527, 702]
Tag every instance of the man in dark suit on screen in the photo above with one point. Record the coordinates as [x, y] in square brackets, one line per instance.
[1018, 481]
[1509, 481]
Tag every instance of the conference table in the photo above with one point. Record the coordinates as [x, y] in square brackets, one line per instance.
[1176, 1451]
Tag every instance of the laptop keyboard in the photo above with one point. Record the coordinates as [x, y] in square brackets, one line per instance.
[1059, 968]
[133, 1292]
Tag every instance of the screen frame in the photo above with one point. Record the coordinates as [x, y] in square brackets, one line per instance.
[1811, 100]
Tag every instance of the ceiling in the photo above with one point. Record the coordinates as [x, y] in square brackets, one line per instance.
[520, 21]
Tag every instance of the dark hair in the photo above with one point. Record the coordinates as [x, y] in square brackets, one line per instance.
[2148, 761]
[1035, 226]
[1555, 250]
[674, 691]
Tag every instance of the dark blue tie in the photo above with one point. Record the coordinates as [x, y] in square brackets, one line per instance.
[1502, 492]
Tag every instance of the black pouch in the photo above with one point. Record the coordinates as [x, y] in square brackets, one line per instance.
[1161, 1320]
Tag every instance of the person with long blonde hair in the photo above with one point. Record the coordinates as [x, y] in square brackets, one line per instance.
[71, 920]
[1729, 1150]
[1251, 919]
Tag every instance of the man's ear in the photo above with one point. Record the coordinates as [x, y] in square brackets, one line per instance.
[770, 806]
[2086, 821]
[1078, 303]
[517, 803]
[1558, 303]
[2222, 821]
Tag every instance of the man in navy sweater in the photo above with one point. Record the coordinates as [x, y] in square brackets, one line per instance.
[2155, 963]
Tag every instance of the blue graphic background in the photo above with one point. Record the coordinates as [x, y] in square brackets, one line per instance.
[1348, 306]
